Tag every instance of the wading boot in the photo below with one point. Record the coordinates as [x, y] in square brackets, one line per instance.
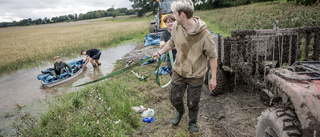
[176, 119]
[193, 122]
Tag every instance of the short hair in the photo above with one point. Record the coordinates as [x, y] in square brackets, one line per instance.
[168, 17]
[82, 51]
[185, 6]
[56, 57]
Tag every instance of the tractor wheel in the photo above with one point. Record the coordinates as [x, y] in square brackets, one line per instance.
[265, 99]
[152, 28]
[277, 123]
[225, 81]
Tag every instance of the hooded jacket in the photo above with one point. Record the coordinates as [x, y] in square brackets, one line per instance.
[193, 49]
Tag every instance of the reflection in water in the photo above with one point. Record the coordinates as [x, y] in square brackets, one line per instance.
[22, 87]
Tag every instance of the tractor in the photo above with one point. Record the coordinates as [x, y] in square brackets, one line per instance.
[164, 9]
[283, 66]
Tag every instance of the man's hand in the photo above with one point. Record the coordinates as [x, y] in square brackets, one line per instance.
[212, 84]
[155, 55]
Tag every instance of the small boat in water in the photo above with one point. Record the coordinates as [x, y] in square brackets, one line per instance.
[48, 80]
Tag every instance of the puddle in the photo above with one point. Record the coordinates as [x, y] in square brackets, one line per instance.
[22, 87]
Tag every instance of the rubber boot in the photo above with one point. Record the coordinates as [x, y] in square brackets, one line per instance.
[193, 122]
[176, 119]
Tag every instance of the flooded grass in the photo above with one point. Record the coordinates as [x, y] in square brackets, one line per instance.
[99, 109]
[31, 47]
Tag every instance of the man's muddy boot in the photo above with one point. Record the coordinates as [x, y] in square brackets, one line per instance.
[94, 65]
[193, 122]
[176, 119]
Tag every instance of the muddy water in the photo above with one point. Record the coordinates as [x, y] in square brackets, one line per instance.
[22, 87]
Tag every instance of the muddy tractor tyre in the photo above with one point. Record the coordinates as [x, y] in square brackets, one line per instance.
[152, 28]
[224, 81]
[277, 123]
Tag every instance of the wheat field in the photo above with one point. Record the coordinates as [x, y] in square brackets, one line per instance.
[28, 46]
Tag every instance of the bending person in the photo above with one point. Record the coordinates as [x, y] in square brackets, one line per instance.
[93, 55]
[165, 36]
[59, 67]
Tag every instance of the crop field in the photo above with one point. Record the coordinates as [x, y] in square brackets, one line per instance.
[28, 46]
[261, 16]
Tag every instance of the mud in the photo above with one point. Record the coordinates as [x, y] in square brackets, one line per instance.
[252, 53]
[233, 114]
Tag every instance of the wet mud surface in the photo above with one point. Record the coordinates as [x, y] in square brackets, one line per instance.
[232, 114]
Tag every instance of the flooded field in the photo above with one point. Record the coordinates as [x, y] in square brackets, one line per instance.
[18, 89]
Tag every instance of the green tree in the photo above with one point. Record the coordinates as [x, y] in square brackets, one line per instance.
[97, 14]
[115, 13]
[143, 6]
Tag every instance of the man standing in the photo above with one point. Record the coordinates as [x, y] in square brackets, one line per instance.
[194, 44]
[165, 36]
[93, 55]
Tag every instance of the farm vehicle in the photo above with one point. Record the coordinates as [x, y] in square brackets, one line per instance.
[164, 9]
[283, 65]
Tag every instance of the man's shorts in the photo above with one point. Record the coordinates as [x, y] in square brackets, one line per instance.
[97, 56]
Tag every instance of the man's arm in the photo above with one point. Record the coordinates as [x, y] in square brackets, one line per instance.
[162, 44]
[161, 51]
[87, 60]
[70, 69]
[213, 80]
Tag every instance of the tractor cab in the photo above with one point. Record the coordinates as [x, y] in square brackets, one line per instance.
[165, 9]
[157, 26]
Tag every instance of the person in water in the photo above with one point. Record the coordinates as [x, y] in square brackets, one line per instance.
[93, 55]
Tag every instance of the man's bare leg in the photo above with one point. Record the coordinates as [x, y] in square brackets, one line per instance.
[97, 61]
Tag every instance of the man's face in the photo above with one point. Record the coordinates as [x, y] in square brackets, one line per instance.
[84, 53]
[58, 60]
[177, 17]
[169, 23]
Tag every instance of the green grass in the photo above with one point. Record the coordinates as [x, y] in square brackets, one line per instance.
[100, 109]
[260, 16]
[103, 108]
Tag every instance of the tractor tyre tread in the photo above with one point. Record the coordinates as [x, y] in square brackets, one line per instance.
[225, 82]
[283, 121]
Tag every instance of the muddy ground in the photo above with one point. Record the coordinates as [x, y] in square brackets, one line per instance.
[233, 114]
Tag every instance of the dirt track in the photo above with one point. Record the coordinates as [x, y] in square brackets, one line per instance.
[233, 114]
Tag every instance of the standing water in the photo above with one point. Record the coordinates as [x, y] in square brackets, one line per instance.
[22, 87]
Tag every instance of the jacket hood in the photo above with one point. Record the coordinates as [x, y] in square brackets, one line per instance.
[200, 26]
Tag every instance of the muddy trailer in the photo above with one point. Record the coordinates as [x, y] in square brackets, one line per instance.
[283, 65]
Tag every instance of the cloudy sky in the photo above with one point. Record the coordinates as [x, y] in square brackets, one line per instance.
[16, 10]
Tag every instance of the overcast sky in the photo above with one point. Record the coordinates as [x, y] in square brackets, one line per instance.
[16, 10]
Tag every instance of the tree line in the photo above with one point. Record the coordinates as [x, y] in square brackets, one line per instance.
[111, 12]
[144, 6]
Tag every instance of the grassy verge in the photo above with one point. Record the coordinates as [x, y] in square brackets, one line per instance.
[102, 109]
[260, 16]
[30, 47]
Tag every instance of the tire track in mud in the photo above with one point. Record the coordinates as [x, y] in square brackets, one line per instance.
[230, 114]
